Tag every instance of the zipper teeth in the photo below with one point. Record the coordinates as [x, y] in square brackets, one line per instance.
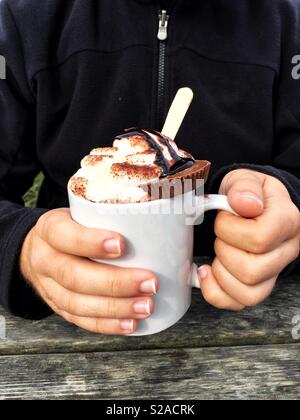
[162, 36]
[161, 81]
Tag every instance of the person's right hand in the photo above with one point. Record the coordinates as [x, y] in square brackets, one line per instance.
[100, 298]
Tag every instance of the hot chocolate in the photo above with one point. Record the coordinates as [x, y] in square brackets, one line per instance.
[137, 160]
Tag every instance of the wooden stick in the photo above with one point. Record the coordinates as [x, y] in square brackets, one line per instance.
[177, 112]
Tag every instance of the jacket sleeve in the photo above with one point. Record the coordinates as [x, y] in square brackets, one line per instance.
[286, 153]
[18, 166]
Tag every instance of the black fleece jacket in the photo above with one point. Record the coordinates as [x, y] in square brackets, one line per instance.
[80, 71]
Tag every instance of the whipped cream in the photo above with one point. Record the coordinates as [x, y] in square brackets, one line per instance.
[137, 158]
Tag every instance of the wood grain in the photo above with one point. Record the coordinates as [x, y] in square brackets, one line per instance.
[267, 372]
[203, 326]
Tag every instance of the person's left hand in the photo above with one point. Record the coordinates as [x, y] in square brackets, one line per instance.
[254, 248]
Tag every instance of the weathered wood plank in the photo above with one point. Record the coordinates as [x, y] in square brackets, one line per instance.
[203, 326]
[271, 372]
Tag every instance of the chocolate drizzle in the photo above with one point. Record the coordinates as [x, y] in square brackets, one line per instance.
[180, 163]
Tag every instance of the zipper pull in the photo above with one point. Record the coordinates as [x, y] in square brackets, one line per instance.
[163, 26]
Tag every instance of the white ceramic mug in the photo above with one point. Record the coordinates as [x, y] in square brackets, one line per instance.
[158, 241]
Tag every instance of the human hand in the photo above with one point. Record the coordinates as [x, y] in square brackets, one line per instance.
[100, 298]
[253, 249]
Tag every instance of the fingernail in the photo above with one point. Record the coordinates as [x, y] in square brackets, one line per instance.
[127, 325]
[202, 272]
[142, 307]
[251, 196]
[149, 287]
[112, 246]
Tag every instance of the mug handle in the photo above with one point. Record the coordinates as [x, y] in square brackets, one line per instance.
[206, 203]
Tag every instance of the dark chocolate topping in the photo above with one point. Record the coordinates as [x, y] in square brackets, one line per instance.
[180, 163]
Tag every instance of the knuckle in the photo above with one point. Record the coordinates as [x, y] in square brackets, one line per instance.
[49, 297]
[212, 297]
[293, 215]
[99, 327]
[68, 279]
[229, 178]
[296, 250]
[252, 299]
[54, 306]
[68, 317]
[115, 286]
[50, 223]
[261, 241]
[44, 224]
[218, 246]
[36, 257]
[111, 308]
[251, 274]
[63, 272]
[80, 238]
[69, 303]
[39, 257]
[250, 279]
[219, 223]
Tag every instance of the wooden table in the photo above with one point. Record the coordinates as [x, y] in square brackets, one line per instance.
[210, 354]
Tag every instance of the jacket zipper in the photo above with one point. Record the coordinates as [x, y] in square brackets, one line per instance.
[162, 38]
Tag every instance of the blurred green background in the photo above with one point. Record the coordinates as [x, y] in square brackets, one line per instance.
[31, 196]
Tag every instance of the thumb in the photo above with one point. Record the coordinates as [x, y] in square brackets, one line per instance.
[245, 192]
